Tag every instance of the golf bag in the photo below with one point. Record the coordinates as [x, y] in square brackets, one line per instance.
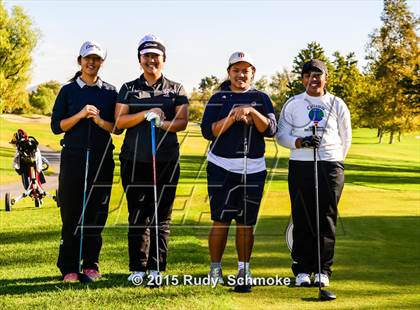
[29, 164]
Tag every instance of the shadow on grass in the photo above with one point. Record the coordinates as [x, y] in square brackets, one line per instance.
[27, 237]
[376, 249]
[7, 151]
[382, 250]
[36, 285]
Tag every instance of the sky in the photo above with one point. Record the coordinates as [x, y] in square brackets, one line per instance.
[199, 35]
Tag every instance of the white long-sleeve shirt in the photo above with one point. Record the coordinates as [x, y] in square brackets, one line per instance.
[334, 126]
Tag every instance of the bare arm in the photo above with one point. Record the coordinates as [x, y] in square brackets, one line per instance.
[260, 121]
[87, 112]
[180, 121]
[108, 126]
[219, 127]
[125, 120]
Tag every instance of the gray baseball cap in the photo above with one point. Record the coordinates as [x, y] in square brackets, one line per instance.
[314, 65]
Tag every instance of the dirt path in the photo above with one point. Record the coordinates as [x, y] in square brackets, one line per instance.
[24, 119]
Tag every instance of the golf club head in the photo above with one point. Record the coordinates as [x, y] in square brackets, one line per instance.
[84, 279]
[326, 295]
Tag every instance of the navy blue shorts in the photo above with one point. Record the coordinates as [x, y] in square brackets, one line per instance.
[226, 193]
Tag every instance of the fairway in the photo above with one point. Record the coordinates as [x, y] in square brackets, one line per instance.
[376, 259]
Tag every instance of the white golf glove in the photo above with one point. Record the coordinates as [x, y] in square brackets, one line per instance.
[154, 116]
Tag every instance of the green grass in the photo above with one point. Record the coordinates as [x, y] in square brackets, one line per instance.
[376, 260]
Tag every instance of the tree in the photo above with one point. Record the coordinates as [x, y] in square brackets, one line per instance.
[348, 83]
[393, 61]
[200, 96]
[18, 38]
[262, 84]
[279, 89]
[196, 106]
[208, 84]
[369, 107]
[43, 98]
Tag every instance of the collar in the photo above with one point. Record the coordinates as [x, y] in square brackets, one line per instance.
[159, 82]
[242, 92]
[325, 95]
[82, 83]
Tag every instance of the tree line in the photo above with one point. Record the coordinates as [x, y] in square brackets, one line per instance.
[384, 95]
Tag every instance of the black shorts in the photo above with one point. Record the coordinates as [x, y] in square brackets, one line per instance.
[226, 194]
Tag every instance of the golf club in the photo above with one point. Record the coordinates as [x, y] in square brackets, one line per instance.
[245, 288]
[152, 127]
[323, 294]
[82, 277]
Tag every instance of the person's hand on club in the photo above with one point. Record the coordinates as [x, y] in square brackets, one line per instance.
[248, 120]
[310, 141]
[159, 112]
[89, 111]
[156, 116]
[243, 114]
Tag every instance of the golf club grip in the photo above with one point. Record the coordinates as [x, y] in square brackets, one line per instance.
[246, 138]
[314, 133]
[89, 134]
[153, 136]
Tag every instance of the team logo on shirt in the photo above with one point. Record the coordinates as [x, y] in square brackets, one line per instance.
[166, 92]
[316, 115]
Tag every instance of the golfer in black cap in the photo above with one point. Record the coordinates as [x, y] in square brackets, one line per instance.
[151, 97]
[320, 120]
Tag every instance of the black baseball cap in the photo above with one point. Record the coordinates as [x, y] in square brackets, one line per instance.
[314, 65]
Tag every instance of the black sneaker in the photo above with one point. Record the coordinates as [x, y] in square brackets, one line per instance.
[243, 282]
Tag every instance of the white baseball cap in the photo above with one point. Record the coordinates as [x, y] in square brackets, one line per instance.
[92, 48]
[241, 56]
[151, 43]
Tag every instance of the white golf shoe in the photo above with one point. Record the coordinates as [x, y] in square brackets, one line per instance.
[154, 279]
[136, 277]
[303, 279]
[325, 281]
[216, 275]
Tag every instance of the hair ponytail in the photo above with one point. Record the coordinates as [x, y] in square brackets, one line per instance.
[226, 83]
[78, 73]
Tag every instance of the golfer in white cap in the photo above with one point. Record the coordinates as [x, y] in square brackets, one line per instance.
[84, 112]
[236, 120]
